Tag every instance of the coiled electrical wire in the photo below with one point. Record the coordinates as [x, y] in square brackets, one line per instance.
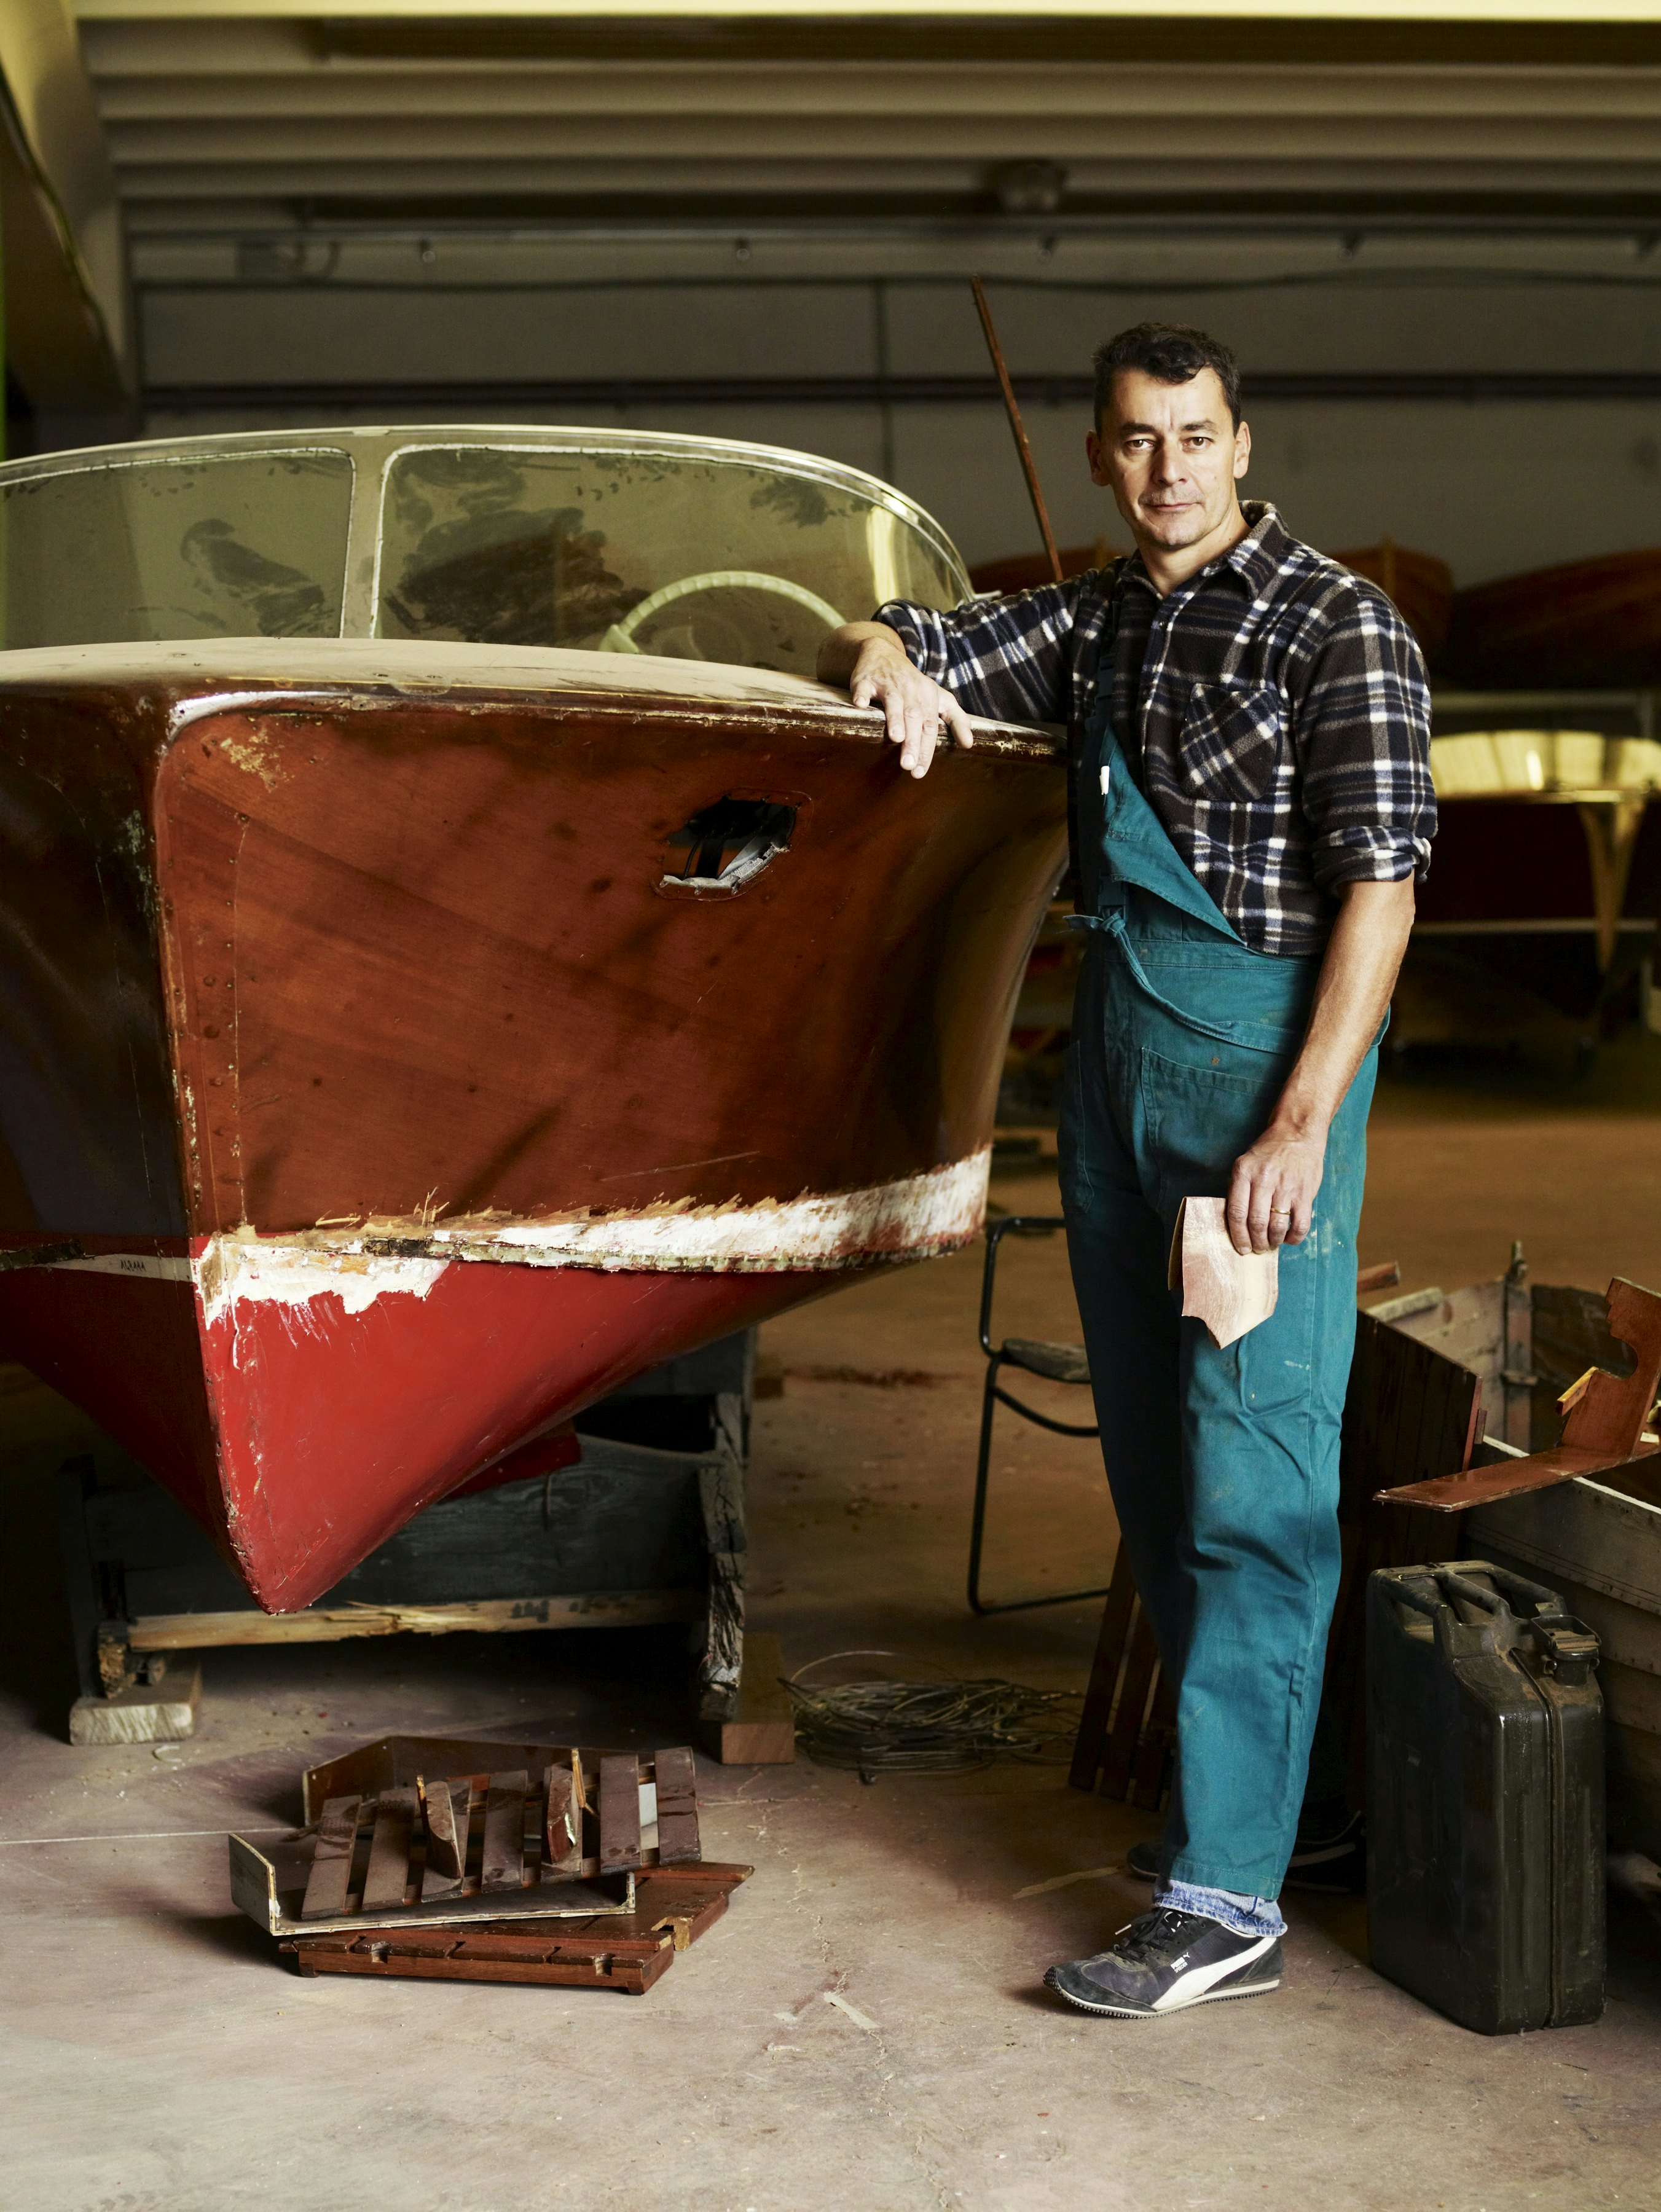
[931, 1727]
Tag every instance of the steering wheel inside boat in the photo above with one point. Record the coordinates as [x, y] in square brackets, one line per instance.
[620, 638]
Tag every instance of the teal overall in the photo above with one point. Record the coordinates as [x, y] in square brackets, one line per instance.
[1223, 1464]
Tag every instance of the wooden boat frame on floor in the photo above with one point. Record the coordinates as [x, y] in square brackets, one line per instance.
[1545, 878]
[424, 1014]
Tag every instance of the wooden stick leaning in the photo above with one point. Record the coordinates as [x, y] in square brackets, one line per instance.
[1029, 467]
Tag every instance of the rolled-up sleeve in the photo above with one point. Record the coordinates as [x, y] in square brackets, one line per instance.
[1362, 702]
[1005, 658]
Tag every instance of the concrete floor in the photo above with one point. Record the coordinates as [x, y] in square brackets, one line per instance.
[157, 2059]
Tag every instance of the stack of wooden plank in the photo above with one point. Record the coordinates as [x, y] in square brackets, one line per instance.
[572, 1866]
[673, 1907]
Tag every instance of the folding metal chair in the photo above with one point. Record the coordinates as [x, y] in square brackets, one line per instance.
[1054, 1363]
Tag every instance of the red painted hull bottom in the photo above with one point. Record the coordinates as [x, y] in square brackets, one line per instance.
[302, 1438]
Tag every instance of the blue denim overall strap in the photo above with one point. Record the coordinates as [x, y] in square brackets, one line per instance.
[1126, 859]
[1223, 1462]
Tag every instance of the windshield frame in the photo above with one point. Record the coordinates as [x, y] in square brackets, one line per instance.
[373, 450]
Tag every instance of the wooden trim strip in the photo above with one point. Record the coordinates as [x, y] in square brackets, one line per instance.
[190, 1631]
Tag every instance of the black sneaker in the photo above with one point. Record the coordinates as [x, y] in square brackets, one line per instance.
[1165, 1962]
[1330, 1866]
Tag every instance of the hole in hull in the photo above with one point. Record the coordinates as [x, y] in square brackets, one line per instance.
[727, 844]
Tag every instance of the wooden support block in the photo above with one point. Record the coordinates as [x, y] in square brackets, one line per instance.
[156, 1712]
[619, 1814]
[503, 1863]
[677, 1806]
[762, 1731]
[332, 1863]
[445, 1805]
[388, 1878]
[561, 1832]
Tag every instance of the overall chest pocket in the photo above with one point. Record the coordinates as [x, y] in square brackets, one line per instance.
[1231, 739]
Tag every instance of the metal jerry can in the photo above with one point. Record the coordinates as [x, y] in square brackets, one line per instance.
[1485, 1797]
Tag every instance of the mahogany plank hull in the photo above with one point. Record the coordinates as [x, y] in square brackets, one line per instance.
[376, 1089]
[1420, 586]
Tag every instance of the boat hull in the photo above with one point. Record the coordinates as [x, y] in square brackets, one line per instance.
[1589, 625]
[380, 1091]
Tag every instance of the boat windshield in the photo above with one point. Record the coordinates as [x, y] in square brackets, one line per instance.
[695, 557]
[530, 537]
[240, 544]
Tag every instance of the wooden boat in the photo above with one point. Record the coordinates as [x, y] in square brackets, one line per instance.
[1020, 572]
[1421, 584]
[1589, 624]
[1546, 875]
[455, 958]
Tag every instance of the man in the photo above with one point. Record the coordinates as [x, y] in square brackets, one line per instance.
[1253, 804]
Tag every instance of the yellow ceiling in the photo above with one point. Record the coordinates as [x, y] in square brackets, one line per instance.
[1402, 11]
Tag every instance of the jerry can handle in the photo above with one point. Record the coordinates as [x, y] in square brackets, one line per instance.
[1458, 1585]
[1429, 1601]
[1540, 1599]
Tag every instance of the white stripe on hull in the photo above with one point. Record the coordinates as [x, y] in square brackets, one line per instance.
[913, 1219]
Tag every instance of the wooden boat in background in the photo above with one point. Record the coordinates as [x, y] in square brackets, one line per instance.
[1591, 623]
[1546, 873]
[442, 979]
[1421, 584]
[1022, 572]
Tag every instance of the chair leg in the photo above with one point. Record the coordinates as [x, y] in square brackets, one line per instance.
[982, 1469]
[978, 1604]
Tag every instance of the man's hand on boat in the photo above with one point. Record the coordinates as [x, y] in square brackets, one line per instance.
[869, 657]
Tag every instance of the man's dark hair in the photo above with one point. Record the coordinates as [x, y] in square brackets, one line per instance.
[1171, 352]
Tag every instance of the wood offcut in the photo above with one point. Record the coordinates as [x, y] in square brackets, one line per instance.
[439, 1850]
[1605, 1428]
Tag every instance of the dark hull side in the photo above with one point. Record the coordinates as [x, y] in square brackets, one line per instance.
[373, 1095]
[1591, 625]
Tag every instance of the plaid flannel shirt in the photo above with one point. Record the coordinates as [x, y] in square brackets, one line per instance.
[1274, 708]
